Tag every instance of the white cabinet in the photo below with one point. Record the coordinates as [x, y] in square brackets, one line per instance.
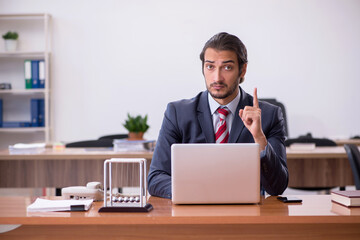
[33, 44]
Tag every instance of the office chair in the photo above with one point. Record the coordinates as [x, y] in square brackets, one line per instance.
[279, 104]
[115, 136]
[104, 141]
[308, 138]
[354, 159]
[91, 143]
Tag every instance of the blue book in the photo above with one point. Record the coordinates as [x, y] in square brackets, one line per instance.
[41, 112]
[34, 112]
[41, 74]
[15, 124]
[1, 112]
[35, 73]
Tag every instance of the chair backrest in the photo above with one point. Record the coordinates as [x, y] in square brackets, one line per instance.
[91, 143]
[115, 136]
[279, 104]
[354, 159]
[319, 142]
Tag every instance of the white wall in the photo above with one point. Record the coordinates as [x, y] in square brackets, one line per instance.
[113, 57]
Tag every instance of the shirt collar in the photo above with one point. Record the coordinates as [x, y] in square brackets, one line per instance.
[214, 105]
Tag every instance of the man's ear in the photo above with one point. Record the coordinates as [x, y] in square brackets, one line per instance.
[243, 70]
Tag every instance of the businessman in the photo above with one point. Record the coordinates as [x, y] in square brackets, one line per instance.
[224, 113]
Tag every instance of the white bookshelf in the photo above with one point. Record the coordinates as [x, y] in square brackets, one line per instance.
[21, 54]
[34, 44]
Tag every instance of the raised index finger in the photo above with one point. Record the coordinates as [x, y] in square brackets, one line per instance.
[256, 101]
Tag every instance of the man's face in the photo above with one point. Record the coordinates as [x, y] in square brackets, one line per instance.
[221, 71]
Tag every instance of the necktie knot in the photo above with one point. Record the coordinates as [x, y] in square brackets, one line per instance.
[223, 112]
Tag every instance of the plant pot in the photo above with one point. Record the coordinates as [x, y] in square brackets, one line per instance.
[10, 45]
[133, 136]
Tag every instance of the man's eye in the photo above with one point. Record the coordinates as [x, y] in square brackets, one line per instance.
[209, 67]
[228, 67]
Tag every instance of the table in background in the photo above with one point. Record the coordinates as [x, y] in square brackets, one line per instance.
[316, 218]
[341, 142]
[319, 168]
[66, 167]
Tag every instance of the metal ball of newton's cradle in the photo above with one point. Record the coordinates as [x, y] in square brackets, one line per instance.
[126, 199]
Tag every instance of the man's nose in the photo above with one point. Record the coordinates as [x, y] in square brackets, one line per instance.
[218, 75]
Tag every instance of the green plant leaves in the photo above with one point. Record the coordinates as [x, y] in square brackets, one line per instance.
[136, 124]
[10, 35]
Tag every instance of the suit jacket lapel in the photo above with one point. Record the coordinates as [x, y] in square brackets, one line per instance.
[238, 125]
[205, 118]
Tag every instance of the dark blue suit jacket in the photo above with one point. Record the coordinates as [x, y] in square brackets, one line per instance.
[190, 121]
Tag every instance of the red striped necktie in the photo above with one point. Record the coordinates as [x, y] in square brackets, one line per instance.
[222, 132]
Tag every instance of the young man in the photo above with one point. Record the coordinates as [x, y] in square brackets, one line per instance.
[223, 113]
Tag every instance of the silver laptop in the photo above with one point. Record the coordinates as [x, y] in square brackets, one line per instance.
[215, 173]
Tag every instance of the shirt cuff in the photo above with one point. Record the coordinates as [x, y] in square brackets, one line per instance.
[263, 152]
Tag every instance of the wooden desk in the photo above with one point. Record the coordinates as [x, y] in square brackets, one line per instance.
[319, 168]
[67, 167]
[322, 167]
[315, 218]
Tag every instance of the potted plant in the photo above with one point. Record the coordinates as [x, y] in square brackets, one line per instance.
[136, 126]
[10, 40]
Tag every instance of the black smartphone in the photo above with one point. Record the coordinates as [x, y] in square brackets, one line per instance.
[290, 199]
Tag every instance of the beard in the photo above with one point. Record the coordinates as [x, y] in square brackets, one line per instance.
[222, 95]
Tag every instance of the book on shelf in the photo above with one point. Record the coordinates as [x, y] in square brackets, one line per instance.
[41, 74]
[346, 198]
[28, 80]
[34, 111]
[15, 124]
[41, 112]
[37, 116]
[45, 205]
[37, 110]
[35, 73]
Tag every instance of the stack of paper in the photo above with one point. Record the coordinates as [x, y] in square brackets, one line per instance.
[124, 145]
[22, 148]
[303, 146]
[44, 205]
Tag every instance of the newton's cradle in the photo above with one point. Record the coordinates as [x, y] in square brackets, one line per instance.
[125, 203]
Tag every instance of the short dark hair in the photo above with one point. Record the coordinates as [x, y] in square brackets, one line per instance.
[225, 41]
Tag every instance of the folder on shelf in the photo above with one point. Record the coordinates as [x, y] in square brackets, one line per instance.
[28, 80]
[41, 74]
[41, 112]
[15, 124]
[35, 73]
[34, 111]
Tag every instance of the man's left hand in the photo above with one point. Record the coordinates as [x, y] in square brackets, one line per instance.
[251, 116]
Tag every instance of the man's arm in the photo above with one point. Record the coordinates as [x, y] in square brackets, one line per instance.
[274, 172]
[159, 178]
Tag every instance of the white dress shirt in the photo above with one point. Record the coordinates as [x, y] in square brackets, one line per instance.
[231, 106]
